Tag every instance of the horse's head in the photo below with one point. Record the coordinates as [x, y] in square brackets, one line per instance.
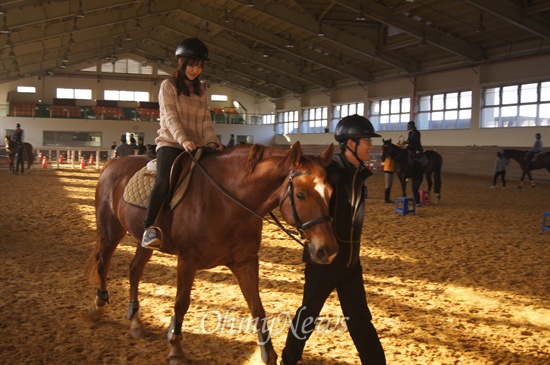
[386, 148]
[304, 201]
[11, 146]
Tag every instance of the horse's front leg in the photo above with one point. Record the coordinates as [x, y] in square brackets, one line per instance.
[530, 178]
[247, 275]
[137, 266]
[403, 182]
[187, 269]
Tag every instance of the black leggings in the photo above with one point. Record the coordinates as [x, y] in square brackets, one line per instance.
[165, 159]
[502, 174]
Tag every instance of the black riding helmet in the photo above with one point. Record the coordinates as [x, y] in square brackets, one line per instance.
[354, 127]
[192, 48]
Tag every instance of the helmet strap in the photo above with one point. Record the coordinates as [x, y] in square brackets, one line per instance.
[354, 152]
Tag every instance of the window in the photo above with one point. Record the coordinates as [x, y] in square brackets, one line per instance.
[341, 111]
[445, 111]
[287, 122]
[26, 89]
[123, 95]
[268, 119]
[72, 139]
[314, 120]
[83, 94]
[524, 105]
[217, 97]
[390, 114]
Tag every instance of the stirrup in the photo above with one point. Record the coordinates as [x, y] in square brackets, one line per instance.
[152, 238]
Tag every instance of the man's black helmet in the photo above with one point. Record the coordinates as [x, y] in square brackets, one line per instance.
[354, 127]
[411, 124]
[192, 48]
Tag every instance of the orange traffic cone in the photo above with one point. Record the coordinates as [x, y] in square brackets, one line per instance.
[92, 159]
[82, 162]
[44, 162]
[40, 157]
[61, 158]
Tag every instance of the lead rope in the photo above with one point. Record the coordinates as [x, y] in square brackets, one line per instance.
[289, 232]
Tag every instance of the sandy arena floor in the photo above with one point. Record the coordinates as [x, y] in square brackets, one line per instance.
[466, 281]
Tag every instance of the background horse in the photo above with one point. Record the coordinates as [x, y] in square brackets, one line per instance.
[208, 228]
[405, 169]
[12, 150]
[540, 161]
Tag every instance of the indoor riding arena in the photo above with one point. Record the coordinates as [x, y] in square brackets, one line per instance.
[462, 279]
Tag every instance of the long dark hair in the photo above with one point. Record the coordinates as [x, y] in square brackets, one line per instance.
[180, 78]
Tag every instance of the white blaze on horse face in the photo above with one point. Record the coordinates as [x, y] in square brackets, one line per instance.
[320, 187]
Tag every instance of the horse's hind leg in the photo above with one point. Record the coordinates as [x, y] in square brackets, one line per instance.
[99, 263]
[429, 180]
[137, 266]
[247, 276]
[187, 269]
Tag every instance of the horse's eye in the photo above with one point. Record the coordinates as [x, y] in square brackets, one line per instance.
[301, 196]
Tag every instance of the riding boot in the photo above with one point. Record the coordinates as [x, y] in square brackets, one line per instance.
[387, 193]
[152, 238]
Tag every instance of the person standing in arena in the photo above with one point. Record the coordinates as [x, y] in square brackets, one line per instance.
[17, 137]
[346, 174]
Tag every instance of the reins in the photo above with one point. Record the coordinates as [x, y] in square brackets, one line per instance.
[289, 232]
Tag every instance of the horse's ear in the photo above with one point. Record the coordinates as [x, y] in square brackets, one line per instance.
[326, 156]
[295, 154]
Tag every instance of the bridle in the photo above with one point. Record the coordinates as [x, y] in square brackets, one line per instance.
[391, 147]
[301, 227]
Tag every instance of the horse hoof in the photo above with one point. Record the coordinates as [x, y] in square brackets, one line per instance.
[96, 312]
[136, 328]
[178, 360]
[177, 357]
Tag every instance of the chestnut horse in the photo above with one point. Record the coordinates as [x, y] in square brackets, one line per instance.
[12, 150]
[218, 222]
[539, 161]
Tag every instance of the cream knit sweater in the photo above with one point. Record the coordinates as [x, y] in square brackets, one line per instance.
[183, 117]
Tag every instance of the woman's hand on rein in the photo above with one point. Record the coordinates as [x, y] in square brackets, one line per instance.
[189, 145]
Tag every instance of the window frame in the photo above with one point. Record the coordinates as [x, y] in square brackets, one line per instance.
[314, 118]
[507, 102]
[387, 117]
[447, 110]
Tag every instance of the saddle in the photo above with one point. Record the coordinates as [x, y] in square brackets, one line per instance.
[138, 189]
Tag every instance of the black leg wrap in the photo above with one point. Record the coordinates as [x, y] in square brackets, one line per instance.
[174, 329]
[132, 309]
[103, 295]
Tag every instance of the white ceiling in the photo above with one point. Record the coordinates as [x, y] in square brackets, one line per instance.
[248, 39]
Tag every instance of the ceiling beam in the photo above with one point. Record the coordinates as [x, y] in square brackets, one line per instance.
[382, 14]
[334, 35]
[513, 14]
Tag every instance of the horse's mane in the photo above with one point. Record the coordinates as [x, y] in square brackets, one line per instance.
[259, 152]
